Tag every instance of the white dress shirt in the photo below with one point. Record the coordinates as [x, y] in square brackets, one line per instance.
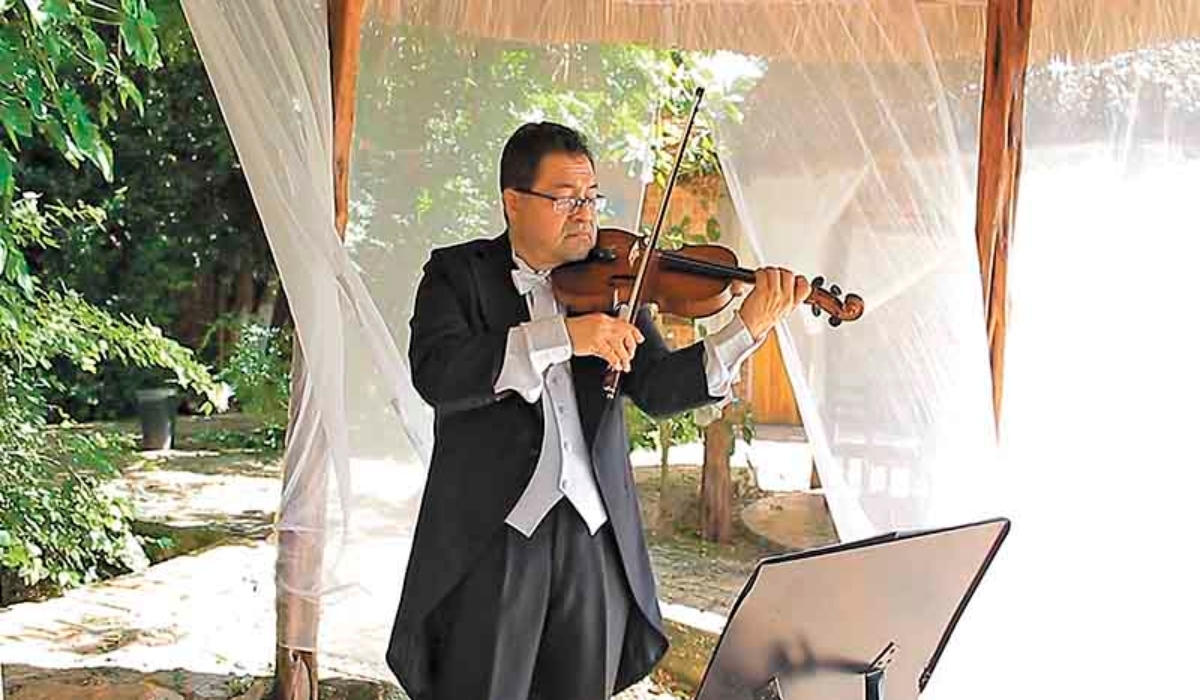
[536, 362]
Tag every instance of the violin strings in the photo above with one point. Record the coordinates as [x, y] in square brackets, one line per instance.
[705, 267]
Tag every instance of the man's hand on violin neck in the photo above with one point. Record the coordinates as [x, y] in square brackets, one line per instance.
[777, 292]
[603, 336]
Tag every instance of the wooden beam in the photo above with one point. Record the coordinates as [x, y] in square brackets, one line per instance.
[345, 25]
[301, 554]
[1001, 134]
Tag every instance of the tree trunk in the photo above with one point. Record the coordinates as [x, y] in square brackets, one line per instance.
[281, 313]
[716, 485]
[664, 473]
[220, 306]
[243, 297]
[244, 286]
[264, 302]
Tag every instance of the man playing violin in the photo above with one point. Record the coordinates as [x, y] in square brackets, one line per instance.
[529, 575]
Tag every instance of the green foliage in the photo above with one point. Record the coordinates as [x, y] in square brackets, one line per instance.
[646, 433]
[59, 56]
[683, 233]
[265, 438]
[675, 75]
[39, 326]
[57, 523]
[64, 77]
[641, 428]
[175, 236]
[451, 104]
[259, 372]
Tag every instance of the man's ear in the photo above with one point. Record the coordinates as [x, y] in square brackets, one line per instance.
[510, 200]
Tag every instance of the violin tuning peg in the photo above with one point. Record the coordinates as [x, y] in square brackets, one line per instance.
[816, 310]
[835, 290]
[835, 321]
[818, 282]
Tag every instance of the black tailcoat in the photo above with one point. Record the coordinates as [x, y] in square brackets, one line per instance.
[487, 445]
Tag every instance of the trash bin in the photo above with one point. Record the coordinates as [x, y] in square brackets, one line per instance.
[157, 408]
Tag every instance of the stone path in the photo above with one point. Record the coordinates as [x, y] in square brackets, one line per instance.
[207, 618]
[212, 612]
[791, 521]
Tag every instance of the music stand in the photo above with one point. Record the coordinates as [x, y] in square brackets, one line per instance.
[863, 620]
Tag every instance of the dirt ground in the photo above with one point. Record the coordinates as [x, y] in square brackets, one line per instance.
[210, 504]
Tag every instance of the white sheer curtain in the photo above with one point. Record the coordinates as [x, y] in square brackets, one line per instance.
[1094, 593]
[854, 163]
[269, 65]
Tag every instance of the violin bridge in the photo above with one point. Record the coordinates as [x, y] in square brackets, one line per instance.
[635, 252]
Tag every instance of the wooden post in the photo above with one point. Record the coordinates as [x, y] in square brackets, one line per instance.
[716, 482]
[716, 479]
[1001, 134]
[299, 559]
[345, 25]
[302, 553]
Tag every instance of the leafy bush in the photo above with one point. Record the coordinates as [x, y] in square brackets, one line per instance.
[62, 80]
[57, 523]
[259, 371]
[266, 438]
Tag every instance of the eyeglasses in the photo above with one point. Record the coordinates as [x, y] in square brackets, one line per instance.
[570, 205]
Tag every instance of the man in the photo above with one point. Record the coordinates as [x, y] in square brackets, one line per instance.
[529, 575]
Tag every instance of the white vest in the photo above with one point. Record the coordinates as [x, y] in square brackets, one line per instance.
[564, 468]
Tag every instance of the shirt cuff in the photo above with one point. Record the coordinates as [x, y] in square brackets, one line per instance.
[549, 341]
[724, 352]
[532, 347]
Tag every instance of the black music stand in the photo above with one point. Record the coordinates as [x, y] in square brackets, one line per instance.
[863, 620]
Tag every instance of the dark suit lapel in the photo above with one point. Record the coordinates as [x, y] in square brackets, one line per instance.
[503, 306]
[587, 374]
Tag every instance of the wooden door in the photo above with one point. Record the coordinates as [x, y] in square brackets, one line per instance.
[771, 397]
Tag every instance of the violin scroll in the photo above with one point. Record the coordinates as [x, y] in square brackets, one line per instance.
[831, 302]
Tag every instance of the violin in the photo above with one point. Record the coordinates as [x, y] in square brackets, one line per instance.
[623, 271]
[695, 281]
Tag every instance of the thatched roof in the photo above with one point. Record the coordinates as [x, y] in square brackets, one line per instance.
[811, 30]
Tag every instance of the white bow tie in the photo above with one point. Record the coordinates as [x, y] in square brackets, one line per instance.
[527, 281]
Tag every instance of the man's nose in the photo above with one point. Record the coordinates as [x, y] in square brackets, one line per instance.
[584, 214]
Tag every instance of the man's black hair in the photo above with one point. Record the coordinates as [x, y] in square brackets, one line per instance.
[529, 144]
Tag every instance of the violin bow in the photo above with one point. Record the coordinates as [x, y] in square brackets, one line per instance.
[613, 377]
